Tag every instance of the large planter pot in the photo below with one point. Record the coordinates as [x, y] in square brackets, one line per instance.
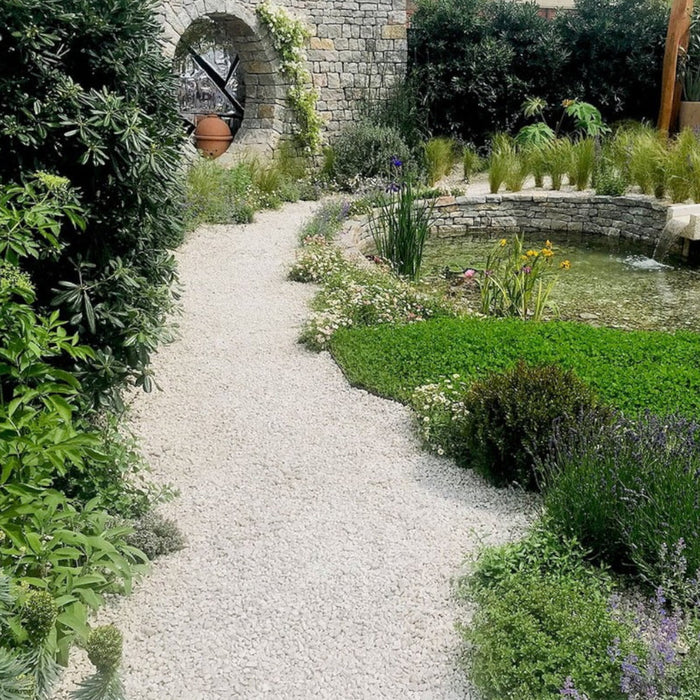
[689, 117]
[212, 136]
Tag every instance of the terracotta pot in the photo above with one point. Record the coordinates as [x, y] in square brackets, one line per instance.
[212, 136]
[689, 117]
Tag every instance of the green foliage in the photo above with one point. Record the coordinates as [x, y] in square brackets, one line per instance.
[683, 167]
[118, 475]
[629, 370]
[399, 108]
[510, 420]
[609, 180]
[542, 552]
[15, 683]
[516, 282]
[63, 553]
[471, 162]
[104, 648]
[360, 296]
[289, 39]
[364, 150]
[628, 490]
[615, 52]
[476, 61]
[538, 134]
[440, 157]
[88, 95]
[399, 229]
[535, 629]
[216, 195]
[316, 262]
[155, 535]
[582, 163]
[557, 158]
[640, 154]
[39, 614]
[326, 222]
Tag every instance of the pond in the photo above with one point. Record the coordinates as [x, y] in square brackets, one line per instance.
[612, 286]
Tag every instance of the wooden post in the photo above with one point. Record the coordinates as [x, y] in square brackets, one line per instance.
[676, 39]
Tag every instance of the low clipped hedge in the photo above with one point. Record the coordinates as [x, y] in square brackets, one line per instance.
[633, 371]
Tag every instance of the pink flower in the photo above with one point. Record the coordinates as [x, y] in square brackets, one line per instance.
[468, 274]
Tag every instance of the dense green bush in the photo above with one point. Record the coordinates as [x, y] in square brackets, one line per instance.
[552, 625]
[510, 418]
[474, 62]
[86, 93]
[629, 491]
[615, 51]
[49, 540]
[629, 370]
[365, 150]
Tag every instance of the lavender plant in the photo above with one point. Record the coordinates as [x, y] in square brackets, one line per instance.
[630, 490]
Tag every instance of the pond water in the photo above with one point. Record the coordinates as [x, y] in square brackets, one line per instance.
[619, 287]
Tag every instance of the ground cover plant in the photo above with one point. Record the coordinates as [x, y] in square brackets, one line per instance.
[353, 294]
[599, 601]
[550, 624]
[630, 370]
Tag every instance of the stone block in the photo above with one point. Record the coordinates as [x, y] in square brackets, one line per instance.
[317, 44]
[394, 31]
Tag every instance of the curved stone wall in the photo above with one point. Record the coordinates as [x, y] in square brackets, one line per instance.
[633, 218]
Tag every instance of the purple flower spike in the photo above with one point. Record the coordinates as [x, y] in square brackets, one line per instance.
[393, 187]
[396, 162]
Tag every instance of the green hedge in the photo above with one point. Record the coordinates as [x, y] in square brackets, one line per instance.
[632, 370]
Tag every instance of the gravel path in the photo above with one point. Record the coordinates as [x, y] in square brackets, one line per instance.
[322, 540]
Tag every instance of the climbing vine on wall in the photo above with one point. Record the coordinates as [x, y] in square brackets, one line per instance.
[288, 38]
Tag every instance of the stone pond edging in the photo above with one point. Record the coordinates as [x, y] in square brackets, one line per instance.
[635, 218]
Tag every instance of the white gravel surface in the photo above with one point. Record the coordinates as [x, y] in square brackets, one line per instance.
[322, 540]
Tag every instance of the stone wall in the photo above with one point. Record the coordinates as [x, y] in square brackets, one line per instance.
[357, 50]
[632, 218]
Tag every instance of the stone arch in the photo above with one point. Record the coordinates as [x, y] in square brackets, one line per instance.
[265, 113]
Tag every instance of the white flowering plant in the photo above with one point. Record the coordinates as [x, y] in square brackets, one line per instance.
[441, 412]
[361, 297]
[316, 262]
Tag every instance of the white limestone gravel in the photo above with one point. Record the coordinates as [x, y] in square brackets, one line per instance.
[322, 539]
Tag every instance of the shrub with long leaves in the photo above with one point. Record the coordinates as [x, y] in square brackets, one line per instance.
[86, 93]
[400, 227]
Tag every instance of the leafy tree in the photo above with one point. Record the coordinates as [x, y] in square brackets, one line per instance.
[476, 61]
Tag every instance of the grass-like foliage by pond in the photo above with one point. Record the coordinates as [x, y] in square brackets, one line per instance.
[631, 370]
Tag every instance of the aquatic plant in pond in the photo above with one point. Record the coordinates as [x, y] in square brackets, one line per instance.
[401, 224]
[515, 281]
